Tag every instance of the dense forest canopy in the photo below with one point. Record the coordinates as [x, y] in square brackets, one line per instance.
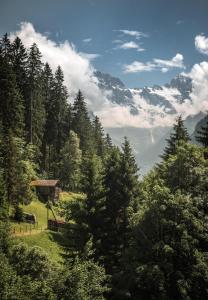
[128, 238]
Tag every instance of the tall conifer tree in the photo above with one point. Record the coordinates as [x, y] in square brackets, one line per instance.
[5, 47]
[179, 134]
[35, 115]
[111, 239]
[11, 102]
[99, 137]
[81, 124]
[60, 96]
[70, 163]
[19, 62]
[48, 85]
[93, 187]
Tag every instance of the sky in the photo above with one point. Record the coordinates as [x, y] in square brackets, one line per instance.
[143, 42]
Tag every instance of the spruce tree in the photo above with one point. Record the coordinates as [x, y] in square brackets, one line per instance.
[70, 163]
[108, 142]
[129, 185]
[5, 47]
[3, 203]
[19, 61]
[60, 95]
[11, 102]
[179, 134]
[57, 124]
[35, 110]
[92, 186]
[48, 85]
[81, 124]
[111, 239]
[98, 133]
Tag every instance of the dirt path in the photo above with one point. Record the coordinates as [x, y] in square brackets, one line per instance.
[27, 233]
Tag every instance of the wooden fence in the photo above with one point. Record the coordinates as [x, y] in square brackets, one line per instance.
[26, 229]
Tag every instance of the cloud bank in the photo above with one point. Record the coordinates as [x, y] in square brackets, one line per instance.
[157, 64]
[201, 44]
[79, 74]
[77, 68]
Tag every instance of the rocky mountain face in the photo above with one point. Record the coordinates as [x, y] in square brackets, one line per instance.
[148, 143]
[181, 85]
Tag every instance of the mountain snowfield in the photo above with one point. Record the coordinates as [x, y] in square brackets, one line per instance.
[153, 111]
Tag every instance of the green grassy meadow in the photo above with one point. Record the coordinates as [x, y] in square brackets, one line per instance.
[52, 243]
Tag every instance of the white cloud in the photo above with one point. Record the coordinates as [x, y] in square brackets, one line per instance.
[138, 66]
[175, 62]
[89, 56]
[156, 64]
[87, 40]
[201, 44]
[131, 45]
[78, 71]
[134, 33]
[199, 95]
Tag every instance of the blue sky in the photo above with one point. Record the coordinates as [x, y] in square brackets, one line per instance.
[168, 27]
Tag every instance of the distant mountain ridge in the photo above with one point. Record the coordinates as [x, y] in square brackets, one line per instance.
[148, 143]
[122, 95]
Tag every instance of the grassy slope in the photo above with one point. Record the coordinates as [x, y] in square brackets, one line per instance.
[37, 208]
[52, 242]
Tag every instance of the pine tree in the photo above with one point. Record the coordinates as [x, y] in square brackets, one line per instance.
[92, 186]
[81, 124]
[179, 134]
[35, 110]
[60, 95]
[19, 61]
[3, 204]
[129, 184]
[48, 85]
[111, 239]
[10, 161]
[98, 133]
[70, 164]
[5, 48]
[58, 123]
[11, 102]
[108, 142]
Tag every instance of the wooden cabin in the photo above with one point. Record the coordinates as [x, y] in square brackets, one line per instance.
[47, 190]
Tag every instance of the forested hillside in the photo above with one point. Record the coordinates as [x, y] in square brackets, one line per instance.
[126, 237]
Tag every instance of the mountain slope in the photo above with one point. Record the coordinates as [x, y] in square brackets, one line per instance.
[148, 143]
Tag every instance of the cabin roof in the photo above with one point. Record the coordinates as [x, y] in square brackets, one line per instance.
[46, 183]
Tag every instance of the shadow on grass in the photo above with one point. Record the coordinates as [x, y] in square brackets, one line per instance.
[61, 239]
